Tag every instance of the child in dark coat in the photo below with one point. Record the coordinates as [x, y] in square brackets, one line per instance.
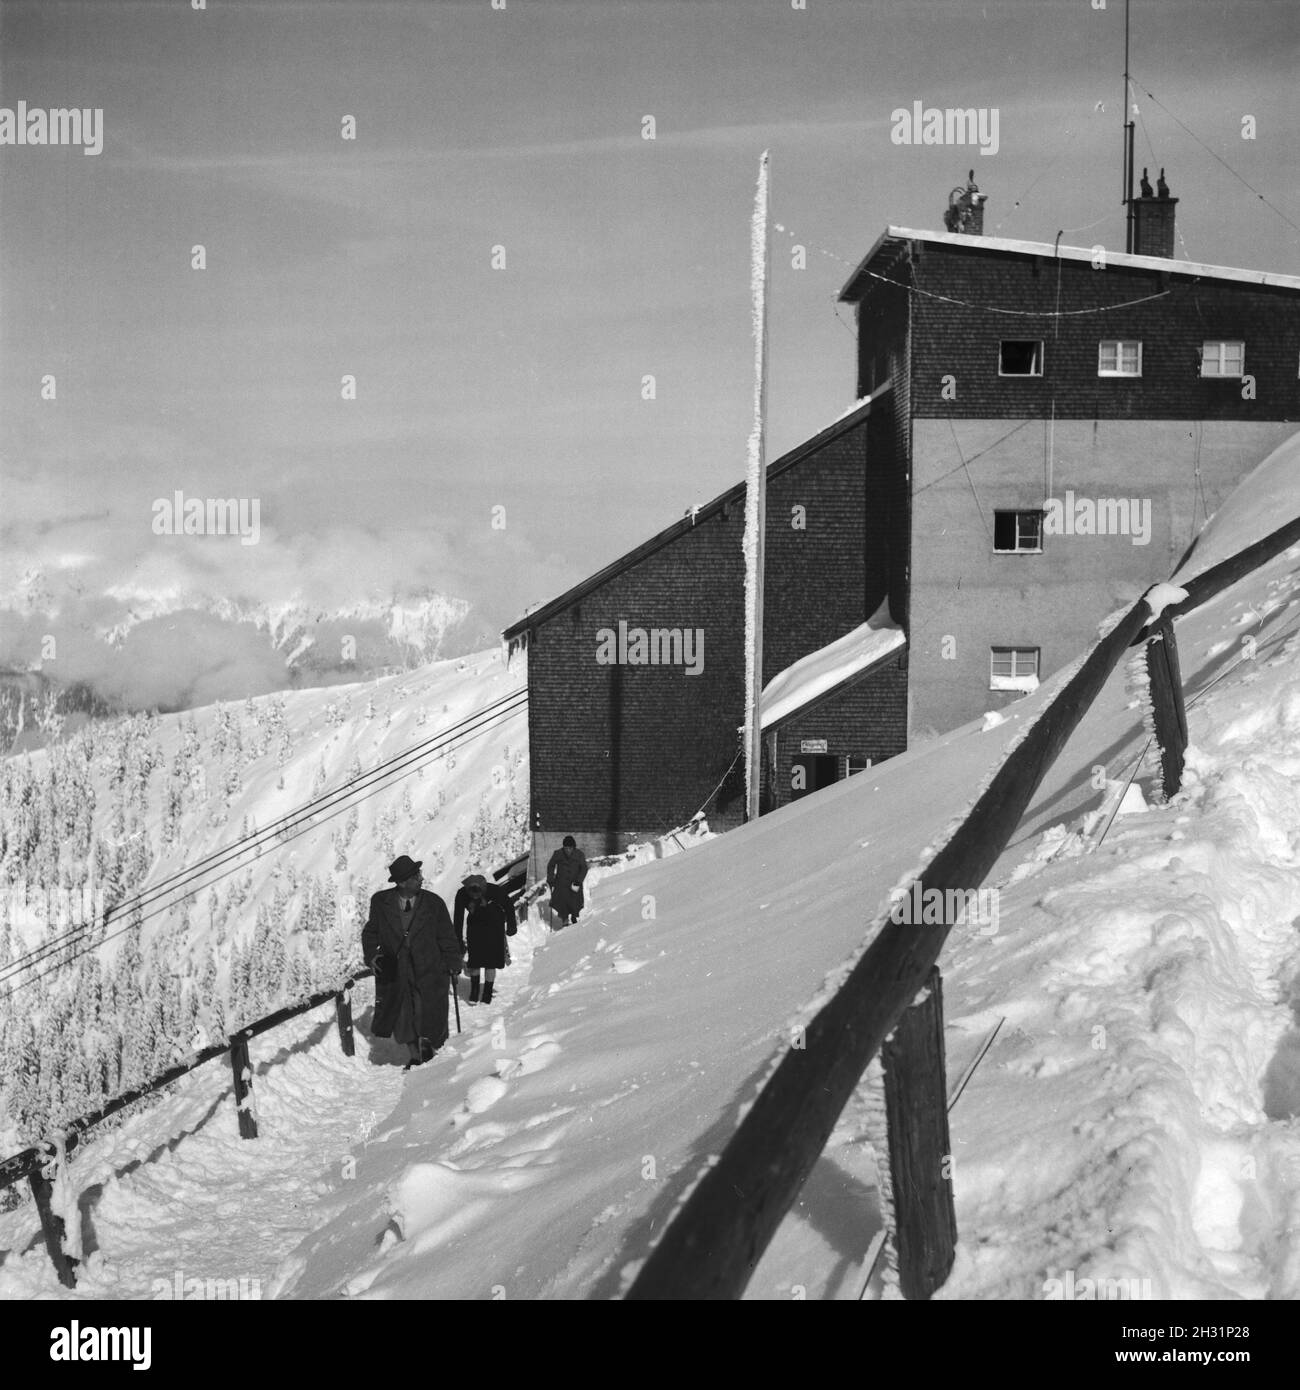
[484, 917]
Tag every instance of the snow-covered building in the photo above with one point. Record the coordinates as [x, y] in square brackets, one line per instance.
[1067, 420]
[636, 675]
[1039, 433]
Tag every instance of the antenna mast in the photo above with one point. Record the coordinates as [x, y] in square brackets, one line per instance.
[1128, 147]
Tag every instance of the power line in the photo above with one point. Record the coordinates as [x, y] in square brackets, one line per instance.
[277, 827]
[983, 308]
[346, 796]
[138, 919]
[1215, 155]
[309, 813]
[1052, 163]
[965, 463]
[1019, 313]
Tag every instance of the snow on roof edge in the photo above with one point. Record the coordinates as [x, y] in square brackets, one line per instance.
[1076, 253]
[822, 670]
[539, 610]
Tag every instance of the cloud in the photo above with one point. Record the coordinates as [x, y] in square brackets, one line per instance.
[95, 598]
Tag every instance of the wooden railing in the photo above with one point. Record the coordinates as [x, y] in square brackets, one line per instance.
[712, 1245]
[714, 1242]
[38, 1164]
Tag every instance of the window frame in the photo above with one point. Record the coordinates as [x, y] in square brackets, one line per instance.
[1018, 512]
[1222, 344]
[1118, 370]
[1040, 356]
[1021, 684]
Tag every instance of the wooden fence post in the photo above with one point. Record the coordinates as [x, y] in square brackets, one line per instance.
[919, 1150]
[243, 1071]
[343, 1013]
[53, 1229]
[1168, 713]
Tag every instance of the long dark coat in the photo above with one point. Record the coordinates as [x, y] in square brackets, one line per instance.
[421, 958]
[564, 875]
[484, 930]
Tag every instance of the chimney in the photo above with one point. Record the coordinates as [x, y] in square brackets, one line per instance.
[1153, 219]
[965, 210]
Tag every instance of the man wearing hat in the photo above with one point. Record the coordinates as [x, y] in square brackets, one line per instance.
[484, 917]
[408, 939]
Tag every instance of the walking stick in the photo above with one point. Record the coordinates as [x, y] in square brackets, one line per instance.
[421, 1042]
[455, 994]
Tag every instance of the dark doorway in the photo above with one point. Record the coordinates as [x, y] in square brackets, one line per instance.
[819, 770]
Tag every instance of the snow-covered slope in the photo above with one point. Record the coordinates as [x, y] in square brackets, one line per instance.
[125, 806]
[1268, 497]
[1134, 1119]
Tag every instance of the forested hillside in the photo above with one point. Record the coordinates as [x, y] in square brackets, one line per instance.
[160, 886]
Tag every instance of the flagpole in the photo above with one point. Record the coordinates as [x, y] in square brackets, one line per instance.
[756, 502]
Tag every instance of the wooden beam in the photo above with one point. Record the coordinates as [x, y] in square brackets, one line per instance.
[343, 1014]
[243, 1073]
[1168, 712]
[20, 1165]
[53, 1229]
[1208, 583]
[711, 1247]
[920, 1153]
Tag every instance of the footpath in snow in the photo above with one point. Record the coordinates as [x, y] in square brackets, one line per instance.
[1135, 1120]
[176, 1203]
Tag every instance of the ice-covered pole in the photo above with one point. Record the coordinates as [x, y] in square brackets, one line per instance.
[756, 501]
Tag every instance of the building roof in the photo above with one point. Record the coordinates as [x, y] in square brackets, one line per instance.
[857, 283]
[831, 668]
[841, 425]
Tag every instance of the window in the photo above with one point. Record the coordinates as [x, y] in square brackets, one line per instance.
[1018, 531]
[1223, 357]
[1017, 358]
[1118, 357]
[857, 763]
[1013, 668]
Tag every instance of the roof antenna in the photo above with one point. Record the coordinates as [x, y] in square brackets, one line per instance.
[1128, 147]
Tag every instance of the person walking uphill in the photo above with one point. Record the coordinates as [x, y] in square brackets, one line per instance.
[409, 940]
[564, 875]
[484, 917]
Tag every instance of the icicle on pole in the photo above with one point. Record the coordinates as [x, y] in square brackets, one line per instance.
[756, 501]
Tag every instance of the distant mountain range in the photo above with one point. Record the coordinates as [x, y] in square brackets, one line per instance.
[318, 645]
[419, 627]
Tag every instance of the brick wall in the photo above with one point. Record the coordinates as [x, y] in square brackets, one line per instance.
[816, 580]
[883, 316]
[949, 339]
[616, 748]
[868, 719]
[885, 353]
[1170, 436]
[620, 751]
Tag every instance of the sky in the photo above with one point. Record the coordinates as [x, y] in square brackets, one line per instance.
[501, 446]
